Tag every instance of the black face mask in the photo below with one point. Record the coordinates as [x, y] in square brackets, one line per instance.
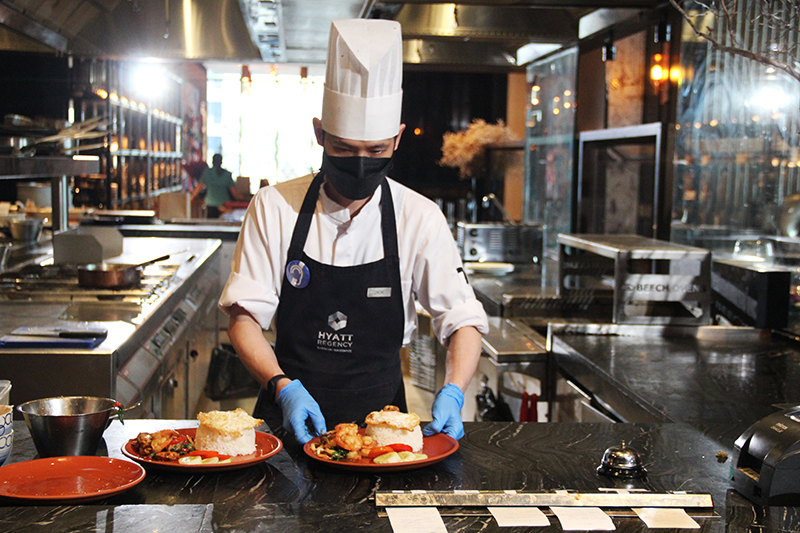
[355, 178]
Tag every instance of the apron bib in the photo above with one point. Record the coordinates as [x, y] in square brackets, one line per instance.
[340, 329]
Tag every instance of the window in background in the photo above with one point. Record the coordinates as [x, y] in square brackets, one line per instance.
[266, 130]
[214, 112]
[214, 146]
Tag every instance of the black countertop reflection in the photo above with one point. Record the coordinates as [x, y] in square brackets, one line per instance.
[683, 379]
[291, 492]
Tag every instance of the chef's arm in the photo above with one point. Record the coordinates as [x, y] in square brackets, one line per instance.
[253, 349]
[463, 354]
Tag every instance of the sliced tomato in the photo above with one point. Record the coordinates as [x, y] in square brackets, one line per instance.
[205, 454]
[378, 451]
[381, 450]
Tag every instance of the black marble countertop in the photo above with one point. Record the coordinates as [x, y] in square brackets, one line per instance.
[292, 492]
[738, 379]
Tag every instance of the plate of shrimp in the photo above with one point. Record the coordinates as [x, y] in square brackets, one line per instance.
[347, 447]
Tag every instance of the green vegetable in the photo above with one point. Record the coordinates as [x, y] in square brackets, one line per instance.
[120, 412]
[338, 453]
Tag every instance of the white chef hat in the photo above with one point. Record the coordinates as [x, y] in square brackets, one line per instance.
[363, 82]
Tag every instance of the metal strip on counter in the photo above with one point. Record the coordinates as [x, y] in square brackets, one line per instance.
[499, 498]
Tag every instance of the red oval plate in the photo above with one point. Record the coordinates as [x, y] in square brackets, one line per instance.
[69, 479]
[436, 447]
[266, 446]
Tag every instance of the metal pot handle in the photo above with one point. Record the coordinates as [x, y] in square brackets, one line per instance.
[121, 410]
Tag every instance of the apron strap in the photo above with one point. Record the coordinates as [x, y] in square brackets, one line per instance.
[388, 224]
[304, 218]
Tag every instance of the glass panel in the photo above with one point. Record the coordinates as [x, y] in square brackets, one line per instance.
[736, 145]
[550, 128]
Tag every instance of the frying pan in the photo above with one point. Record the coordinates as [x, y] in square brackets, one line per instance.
[113, 275]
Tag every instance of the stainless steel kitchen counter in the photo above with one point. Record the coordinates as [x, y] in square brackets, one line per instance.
[139, 332]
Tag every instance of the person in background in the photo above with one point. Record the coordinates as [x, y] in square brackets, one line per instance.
[194, 168]
[334, 261]
[219, 187]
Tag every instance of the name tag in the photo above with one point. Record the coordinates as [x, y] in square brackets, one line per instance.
[379, 292]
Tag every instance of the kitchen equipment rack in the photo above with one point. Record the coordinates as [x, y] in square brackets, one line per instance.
[652, 281]
[141, 157]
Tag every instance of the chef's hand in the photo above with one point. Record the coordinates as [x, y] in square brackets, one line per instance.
[298, 406]
[446, 413]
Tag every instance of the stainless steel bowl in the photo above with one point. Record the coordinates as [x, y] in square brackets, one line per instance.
[67, 425]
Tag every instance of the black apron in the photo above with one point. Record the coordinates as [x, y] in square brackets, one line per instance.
[339, 330]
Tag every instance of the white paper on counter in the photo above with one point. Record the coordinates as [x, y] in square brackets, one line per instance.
[519, 516]
[583, 519]
[415, 520]
[662, 517]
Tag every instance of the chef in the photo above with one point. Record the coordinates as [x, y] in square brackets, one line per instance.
[335, 261]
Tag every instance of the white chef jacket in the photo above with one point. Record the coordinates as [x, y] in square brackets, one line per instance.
[429, 260]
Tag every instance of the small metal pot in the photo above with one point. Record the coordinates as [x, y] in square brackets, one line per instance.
[113, 275]
[71, 425]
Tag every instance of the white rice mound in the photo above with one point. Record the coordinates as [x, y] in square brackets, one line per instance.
[390, 426]
[385, 435]
[227, 432]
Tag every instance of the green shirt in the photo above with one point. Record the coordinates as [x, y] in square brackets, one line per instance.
[217, 186]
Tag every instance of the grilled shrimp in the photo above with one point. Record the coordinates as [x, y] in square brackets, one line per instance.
[347, 437]
[162, 439]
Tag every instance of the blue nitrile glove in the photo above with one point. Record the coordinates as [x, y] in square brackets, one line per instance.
[446, 413]
[298, 406]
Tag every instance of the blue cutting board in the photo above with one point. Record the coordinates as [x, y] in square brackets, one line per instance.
[19, 341]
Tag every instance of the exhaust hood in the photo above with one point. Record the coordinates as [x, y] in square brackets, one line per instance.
[473, 34]
[164, 29]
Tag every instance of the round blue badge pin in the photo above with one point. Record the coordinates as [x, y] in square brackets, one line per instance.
[297, 273]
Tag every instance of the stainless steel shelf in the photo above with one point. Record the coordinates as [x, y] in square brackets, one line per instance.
[58, 169]
[46, 167]
[652, 281]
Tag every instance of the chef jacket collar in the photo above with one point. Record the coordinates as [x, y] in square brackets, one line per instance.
[341, 214]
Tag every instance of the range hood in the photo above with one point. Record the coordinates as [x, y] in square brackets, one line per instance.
[480, 36]
[469, 35]
[164, 29]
